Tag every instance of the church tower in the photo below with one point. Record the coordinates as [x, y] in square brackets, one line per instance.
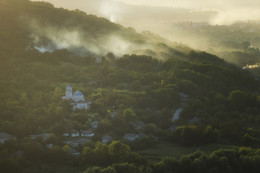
[68, 92]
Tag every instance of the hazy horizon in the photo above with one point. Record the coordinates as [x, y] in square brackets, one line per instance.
[217, 12]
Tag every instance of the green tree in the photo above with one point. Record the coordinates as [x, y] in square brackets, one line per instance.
[58, 93]
[24, 99]
[118, 148]
[125, 168]
[129, 114]
[93, 170]
[239, 100]
[109, 170]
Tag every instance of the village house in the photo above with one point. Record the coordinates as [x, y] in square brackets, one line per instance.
[76, 133]
[87, 133]
[176, 115]
[142, 135]
[194, 120]
[77, 142]
[134, 136]
[130, 136]
[66, 135]
[173, 128]
[73, 152]
[6, 137]
[94, 124]
[77, 99]
[49, 145]
[106, 139]
[113, 114]
[184, 97]
[138, 125]
[44, 136]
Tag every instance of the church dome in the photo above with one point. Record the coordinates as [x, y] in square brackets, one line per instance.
[78, 96]
[78, 93]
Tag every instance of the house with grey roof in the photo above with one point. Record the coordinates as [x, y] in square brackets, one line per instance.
[49, 146]
[173, 128]
[44, 136]
[184, 97]
[66, 135]
[138, 125]
[73, 152]
[87, 133]
[74, 133]
[94, 124]
[106, 139]
[176, 115]
[194, 120]
[130, 136]
[77, 142]
[6, 137]
[113, 114]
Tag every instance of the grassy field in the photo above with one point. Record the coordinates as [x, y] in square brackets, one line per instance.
[43, 168]
[163, 149]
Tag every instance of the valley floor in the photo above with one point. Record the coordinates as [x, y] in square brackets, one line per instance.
[163, 149]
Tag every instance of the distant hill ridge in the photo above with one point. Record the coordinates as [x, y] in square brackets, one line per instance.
[40, 25]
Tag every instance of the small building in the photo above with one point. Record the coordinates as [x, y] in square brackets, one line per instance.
[113, 114]
[142, 135]
[184, 97]
[131, 136]
[73, 133]
[87, 133]
[73, 152]
[106, 139]
[176, 115]
[6, 137]
[76, 143]
[81, 105]
[66, 134]
[138, 125]
[173, 128]
[49, 146]
[44, 136]
[194, 120]
[94, 124]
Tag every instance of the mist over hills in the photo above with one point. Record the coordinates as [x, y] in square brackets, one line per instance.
[98, 36]
[80, 33]
[183, 25]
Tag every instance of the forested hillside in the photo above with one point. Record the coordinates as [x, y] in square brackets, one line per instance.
[238, 43]
[135, 83]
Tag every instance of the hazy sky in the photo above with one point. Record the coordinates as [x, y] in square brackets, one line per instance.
[228, 10]
[198, 4]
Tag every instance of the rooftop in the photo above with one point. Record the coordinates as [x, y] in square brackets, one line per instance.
[5, 135]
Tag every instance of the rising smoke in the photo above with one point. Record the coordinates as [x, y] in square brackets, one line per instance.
[48, 38]
[51, 38]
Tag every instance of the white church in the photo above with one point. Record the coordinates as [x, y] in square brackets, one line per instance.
[77, 99]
